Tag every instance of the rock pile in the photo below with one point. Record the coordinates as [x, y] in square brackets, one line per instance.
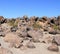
[17, 31]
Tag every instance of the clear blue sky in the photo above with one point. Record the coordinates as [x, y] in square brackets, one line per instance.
[16, 8]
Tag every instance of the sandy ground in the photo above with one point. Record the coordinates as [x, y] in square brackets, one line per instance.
[41, 48]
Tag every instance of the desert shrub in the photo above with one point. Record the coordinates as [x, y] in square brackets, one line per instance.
[35, 25]
[12, 23]
[16, 23]
[55, 27]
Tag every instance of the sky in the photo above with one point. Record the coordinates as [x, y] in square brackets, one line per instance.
[19, 8]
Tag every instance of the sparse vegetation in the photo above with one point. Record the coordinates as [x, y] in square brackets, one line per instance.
[11, 22]
[55, 27]
[35, 25]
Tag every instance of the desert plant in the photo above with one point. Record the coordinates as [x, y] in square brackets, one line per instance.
[55, 27]
[35, 25]
[12, 22]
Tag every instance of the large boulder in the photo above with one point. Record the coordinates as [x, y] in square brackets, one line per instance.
[5, 51]
[53, 20]
[53, 47]
[35, 35]
[53, 32]
[13, 39]
[47, 39]
[44, 18]
[23, 34]
[57, 40]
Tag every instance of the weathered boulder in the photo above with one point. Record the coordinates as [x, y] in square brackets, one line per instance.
[5, 51]
[30, 45]
[47, 39]
[52, 31]
[53, 21]
[53, 47]
[57, 40]
[35, 35]
[22, 33]
[13, 39]
[44, 18]
[32, 18]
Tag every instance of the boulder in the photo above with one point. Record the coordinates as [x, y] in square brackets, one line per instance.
[1, 32]
[30, 45]
[23, 47]
[5, 51]
[25, 18]
[13, 29]
[35, 35]
[53, 47]
[47, 39]
[53, 32]
[57, 40]
[44, 18]
[2, 20]
[23, 34]
[13, 39]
